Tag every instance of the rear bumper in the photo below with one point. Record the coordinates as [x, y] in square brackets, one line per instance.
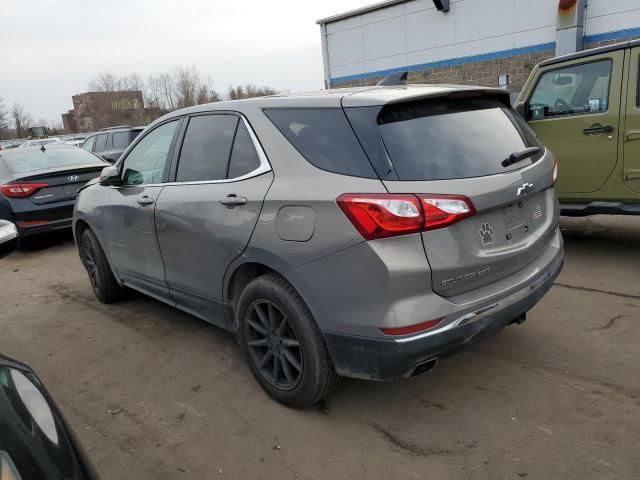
[599, 208]
[32, 219]
[26, 229]
[391, 359]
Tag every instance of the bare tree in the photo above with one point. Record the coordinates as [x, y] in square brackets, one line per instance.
[21, 118]
[168, 91]
[104, 82]
[131, 82]
[153, 93]
[187, 82]
[4, 118]
[249, 91]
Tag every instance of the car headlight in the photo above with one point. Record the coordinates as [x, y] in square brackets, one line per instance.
[8, 470]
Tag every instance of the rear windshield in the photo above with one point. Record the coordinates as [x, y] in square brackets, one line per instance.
[441, 140]
[123, 139]
[20, 161]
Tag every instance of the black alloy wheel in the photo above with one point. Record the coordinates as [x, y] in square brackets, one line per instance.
[273, 344]
[90, 264]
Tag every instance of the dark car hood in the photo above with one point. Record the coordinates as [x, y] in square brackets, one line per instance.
[33, 432]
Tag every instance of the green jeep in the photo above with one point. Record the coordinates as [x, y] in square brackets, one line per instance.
[586, 108]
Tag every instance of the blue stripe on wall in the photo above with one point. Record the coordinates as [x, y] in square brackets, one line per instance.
[600, 37]
[452, 61]
[618, 34]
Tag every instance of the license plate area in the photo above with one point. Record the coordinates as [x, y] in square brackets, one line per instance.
[515, 224]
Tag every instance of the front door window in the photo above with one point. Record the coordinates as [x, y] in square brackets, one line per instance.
[145, 163]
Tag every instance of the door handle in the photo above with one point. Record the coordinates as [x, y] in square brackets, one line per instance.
[233, 200]
[632, 135]
[145, 200]
[598, 129]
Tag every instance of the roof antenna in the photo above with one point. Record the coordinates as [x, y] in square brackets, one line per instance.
[398, 78]
[42, 149]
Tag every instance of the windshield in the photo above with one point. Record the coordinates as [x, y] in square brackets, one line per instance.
[18, 161]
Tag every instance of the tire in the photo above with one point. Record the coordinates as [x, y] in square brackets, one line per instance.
[272, 320]
[104, 284]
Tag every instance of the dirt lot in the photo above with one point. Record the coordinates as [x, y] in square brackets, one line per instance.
[558, 397]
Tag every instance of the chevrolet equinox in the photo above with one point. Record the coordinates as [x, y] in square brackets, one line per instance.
[356, 232]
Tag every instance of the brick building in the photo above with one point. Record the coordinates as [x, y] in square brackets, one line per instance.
[474, 42]
[95, 110]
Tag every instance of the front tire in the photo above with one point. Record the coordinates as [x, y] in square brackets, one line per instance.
[283, 344]
[104, 284]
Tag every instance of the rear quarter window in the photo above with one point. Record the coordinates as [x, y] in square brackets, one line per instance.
[324, 137]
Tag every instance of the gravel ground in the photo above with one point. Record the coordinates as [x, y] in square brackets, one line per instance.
[154, 393]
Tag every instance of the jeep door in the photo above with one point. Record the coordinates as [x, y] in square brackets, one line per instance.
[128, 211]
[632, 124]
[575, 111]
[205, 218]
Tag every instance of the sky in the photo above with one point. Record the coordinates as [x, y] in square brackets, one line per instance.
[52, 49]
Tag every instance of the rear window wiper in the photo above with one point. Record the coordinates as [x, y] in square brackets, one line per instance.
[516, 157]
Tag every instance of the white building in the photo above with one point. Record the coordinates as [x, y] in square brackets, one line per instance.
[467, 41]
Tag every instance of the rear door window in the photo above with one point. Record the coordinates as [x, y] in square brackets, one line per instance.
[123, 139]
[441, 140]
[573, 90]
[324, 137]
[206, 148]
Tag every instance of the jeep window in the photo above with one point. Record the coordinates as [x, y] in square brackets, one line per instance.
[324, 137]
[244, 158]
[447, 139]
[206, 148]
[573, 90]
[145, 163]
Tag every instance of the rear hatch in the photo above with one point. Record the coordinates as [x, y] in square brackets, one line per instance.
[455, 146]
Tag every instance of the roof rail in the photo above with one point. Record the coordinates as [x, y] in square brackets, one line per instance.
[116, 127]
[398, 78]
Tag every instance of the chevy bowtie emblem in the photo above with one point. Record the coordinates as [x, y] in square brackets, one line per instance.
[73, 178]
[525, 189]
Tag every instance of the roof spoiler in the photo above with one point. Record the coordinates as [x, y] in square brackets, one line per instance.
[398, 78]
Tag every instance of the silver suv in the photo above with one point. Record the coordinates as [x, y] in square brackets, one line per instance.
[362, 233]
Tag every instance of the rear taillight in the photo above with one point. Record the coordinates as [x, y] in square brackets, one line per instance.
[444, 210]
[21, 190]
[382, 215]
[389, 215]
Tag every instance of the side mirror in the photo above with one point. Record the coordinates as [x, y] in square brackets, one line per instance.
[110, 175]
[522, 109]
[9, 238]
